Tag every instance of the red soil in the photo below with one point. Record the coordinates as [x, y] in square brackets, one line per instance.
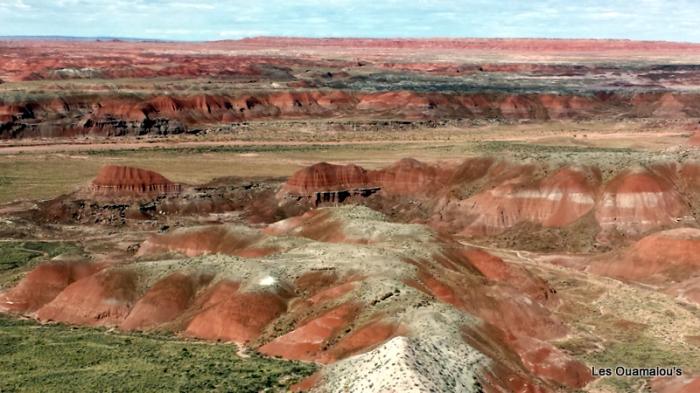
[318, 225]
[495, 269]
[409, 176]
[320, 287]
[501, 306]
[230, 315]
[120, 179]
[361, 339]
[206, 240]
[524, 364]
[43, 284]
[307, 341]
[694, 140]
[549, 362]
[498, 379]
[307, 383]
[332, 293]
[505, 373]
[164, 302]
[685, 384]
[102, 299]
[555, 201]
[689, 289]
[668, 259]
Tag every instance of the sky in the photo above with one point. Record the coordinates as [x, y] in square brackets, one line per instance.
[669, 20]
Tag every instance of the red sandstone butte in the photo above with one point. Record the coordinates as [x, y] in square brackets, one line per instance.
[325, 177]
[114, 179]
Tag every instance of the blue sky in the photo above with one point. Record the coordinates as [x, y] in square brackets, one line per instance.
[673, 20]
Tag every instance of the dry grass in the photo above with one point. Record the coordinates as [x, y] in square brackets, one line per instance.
[29, 170]
[41, 176]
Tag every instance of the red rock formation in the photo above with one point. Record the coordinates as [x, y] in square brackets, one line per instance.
[660, 259]
[306, 341]
[639, 200]
[164, 302]
[509, 369]
[115, 116]
[501, 306]
[518, 45]
[548, 362]
[114, 179]
[43, 284]
[231, 315]
[315, 224]
[409, 176]
[495, 269]
[361, 339]
[321, 287]
[217, 239]
[483, 196]
[102, 299]
[332, 293]
[555, 201]
[325, 177]
[324, 182]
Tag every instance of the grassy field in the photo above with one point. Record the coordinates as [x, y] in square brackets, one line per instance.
[63, 359]
[41, 176]
[45, 175]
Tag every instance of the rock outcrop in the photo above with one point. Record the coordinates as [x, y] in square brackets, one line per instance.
[639, 200]
[163, 115]
[115, 180]
[325, 299]
[324, 182]
[487, 197]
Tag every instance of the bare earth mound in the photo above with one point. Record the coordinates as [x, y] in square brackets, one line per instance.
[373, 296]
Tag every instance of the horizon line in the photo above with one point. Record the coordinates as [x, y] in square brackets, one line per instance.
[30, 37]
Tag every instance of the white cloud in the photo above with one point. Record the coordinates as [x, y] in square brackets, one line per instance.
[18, 5]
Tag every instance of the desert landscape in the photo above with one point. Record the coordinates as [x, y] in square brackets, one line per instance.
[350, 215]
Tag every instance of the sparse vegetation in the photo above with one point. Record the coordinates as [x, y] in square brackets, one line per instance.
[642, 352]
[59, 358]
[519, 147]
